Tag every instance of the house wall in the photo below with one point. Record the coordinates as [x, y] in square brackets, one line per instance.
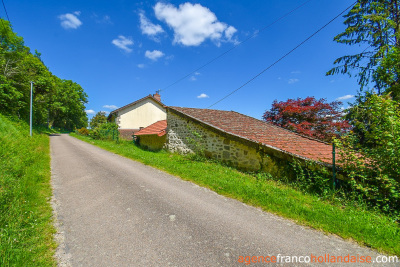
[141, 114]
[152, 142]
[185, 135]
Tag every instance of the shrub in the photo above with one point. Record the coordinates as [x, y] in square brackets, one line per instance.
[106, 131]
[373, 165]
[83, 131]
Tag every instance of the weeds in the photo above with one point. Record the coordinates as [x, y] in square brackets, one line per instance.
[26, 230]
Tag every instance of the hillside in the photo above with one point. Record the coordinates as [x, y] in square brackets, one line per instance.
[26, 230]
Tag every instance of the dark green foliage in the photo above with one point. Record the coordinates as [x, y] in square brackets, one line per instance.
[370, 154]
[56, 102]
[375, 26]
[373, 163]
[313, 178]
[387, 75]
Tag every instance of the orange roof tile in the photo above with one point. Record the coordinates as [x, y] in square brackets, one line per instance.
[159, 128]
[263, 132]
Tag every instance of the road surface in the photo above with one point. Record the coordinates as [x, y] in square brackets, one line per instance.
[113, 211]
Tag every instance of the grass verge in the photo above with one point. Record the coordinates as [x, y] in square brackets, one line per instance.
[365, 227]
[26, 226]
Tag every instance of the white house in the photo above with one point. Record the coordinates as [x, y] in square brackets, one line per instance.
[139, 114]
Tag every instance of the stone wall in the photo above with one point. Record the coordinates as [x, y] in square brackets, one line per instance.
[152, 142]
[186, 135]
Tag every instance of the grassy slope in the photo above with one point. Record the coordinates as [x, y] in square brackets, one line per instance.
[26, 229]
[365, 227]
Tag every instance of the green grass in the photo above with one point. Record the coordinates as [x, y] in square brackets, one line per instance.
[365, 227]
[26, 225]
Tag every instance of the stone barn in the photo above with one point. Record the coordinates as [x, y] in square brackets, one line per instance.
[239, 140]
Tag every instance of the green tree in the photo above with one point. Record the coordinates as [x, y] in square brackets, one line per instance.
[387, 74]
[376, 26]
[12, 52]
[373, 164]
[56, 102]
[67, 105]
[98, 119]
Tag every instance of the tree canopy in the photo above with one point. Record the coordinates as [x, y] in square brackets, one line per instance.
[56, 102]
[375, 27]
[308, 116]
[98, 119]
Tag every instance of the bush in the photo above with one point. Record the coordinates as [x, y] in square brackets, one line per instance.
[313, 178]
[106, 131]
[373, 164]
[83, 131]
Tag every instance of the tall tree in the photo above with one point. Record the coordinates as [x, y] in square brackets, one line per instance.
[309, 116]
[56, 102]
[375, 26]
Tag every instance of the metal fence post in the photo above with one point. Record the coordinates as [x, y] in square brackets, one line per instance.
[333, 166]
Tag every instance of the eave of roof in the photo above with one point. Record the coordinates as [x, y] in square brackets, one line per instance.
[137, 101]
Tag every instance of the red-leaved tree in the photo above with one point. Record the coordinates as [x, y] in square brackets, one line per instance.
[309, 116]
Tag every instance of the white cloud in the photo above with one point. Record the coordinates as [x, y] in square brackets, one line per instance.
[123, 43]
[291, 81]
[141, 66]
[154, 55]
[148, 27]
[193, 77]
[229, 32]
[102, 20]
[193, 24]
[203, 96]
[90, 111]
[106, 112]
[110, 107]
[70, 20]
[345, 97]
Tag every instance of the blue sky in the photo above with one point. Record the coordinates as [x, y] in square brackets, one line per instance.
[120, 51]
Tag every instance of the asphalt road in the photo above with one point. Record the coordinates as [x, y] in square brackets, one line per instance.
[113, 211]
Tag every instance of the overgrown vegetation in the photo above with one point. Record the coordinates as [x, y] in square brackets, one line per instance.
[370, 155]
[56, 102]
[311, 201]
[26, 229]
[100, 128]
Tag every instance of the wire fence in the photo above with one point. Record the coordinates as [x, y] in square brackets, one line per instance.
[108, 135]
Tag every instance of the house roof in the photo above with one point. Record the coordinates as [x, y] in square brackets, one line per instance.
[258, 131]
[159, 128]
[137, 101]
